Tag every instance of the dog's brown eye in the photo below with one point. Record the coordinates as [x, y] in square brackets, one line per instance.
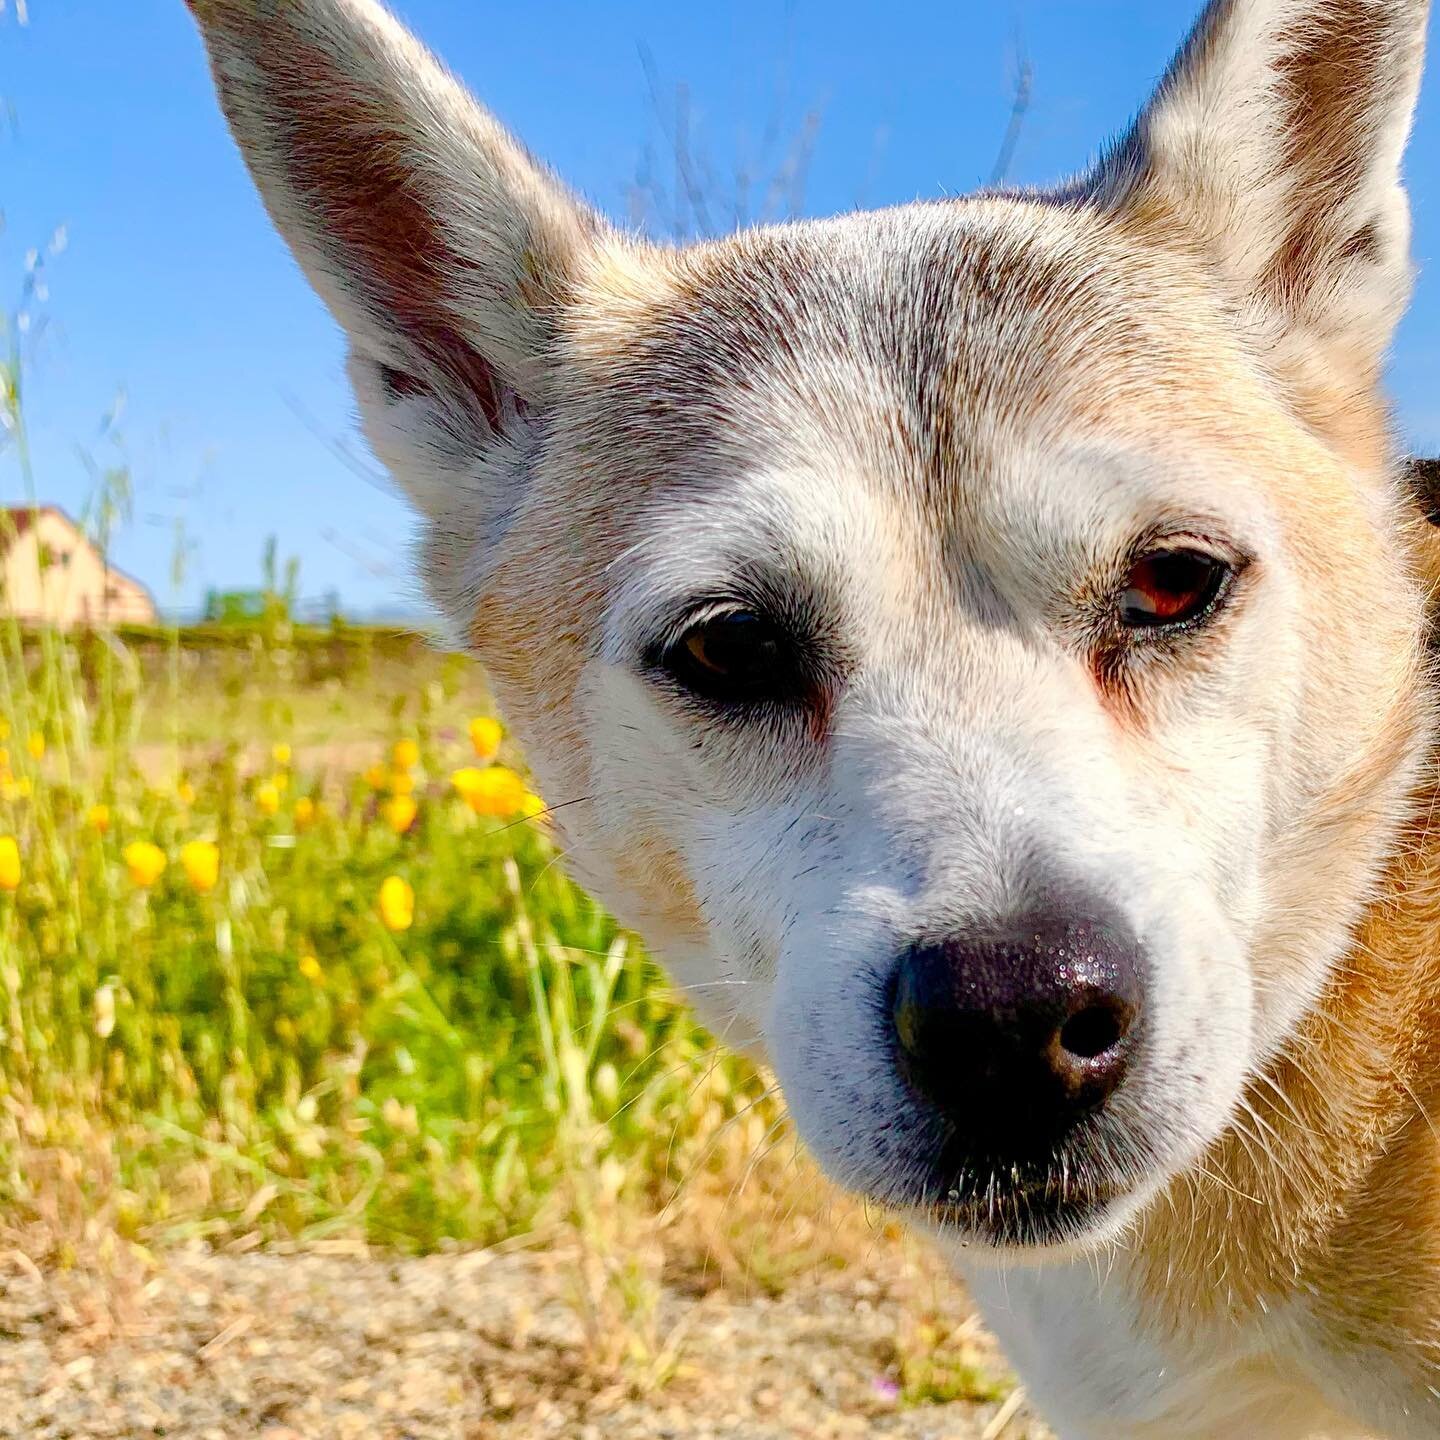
[1171, 587]
[734, 656]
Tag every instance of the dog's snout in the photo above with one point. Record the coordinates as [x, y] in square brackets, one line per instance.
[1016, 1031]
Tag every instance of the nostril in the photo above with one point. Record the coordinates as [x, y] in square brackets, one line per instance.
[1095, 1030]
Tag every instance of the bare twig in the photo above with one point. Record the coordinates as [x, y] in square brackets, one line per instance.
[698, 205]
[1019, 108]
[1004, 1415]
[676, 129]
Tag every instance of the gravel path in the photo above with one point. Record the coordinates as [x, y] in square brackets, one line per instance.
[449, 1347]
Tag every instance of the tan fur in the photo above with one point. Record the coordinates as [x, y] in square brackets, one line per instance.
[1335, 1140]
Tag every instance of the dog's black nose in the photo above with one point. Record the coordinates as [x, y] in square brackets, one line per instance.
[1017, 1031]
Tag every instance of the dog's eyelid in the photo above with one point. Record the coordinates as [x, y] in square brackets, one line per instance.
[667, 627]
[804, 606]
[698, 612]
[1208, 540]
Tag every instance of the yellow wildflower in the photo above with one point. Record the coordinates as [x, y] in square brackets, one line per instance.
[201, 859]
[281, 781]
[485, 737]
[97, 817]
[496, 790]
[400, 812]
[185, 792]
[4, 729]
[402, 782]
[304, 813]
[310, 969]
[9, 863]
[532, 806]
[36, 745]
[397, 904]
[406, 754]
[146, 862]
[20, 789]
[267, 797]
[281, 753]
[465, 780]
[375, 777]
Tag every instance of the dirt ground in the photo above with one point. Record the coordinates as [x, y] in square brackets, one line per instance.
[481, 1346]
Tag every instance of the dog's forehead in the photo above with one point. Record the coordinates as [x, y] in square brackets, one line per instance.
[907, 346]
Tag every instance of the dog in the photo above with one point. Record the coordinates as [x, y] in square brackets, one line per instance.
[985, 644]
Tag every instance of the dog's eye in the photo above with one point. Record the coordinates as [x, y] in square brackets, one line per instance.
[734, 656]
[1171, 587]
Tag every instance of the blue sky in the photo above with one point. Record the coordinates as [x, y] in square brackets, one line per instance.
[173, 288]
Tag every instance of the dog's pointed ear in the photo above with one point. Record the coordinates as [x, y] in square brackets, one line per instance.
[441, 247]
[1274, 145]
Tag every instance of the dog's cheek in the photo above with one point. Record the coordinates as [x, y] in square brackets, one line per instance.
[658, 837]
[641, 803]
[1211, 1044]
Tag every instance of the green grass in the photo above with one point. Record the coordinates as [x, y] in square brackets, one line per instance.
[269, 1056]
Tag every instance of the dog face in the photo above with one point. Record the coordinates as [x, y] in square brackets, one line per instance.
[969, 641]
